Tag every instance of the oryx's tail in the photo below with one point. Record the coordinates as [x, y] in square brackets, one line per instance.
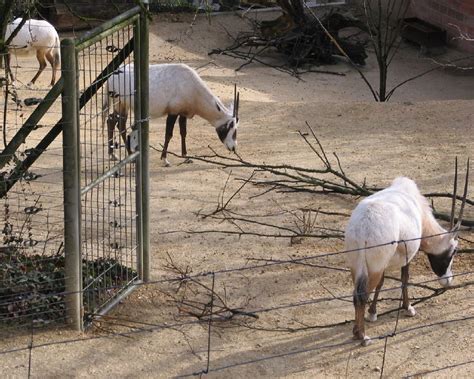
[359, 266]
[361, 295]
[105, 104]
[57, 52]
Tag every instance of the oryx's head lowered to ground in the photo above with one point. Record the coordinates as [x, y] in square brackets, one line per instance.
[441, 250]
[176, 91]
[386, 230]
[227, 131]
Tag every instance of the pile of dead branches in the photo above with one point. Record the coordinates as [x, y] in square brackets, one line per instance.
[301, 39]
[328, 179]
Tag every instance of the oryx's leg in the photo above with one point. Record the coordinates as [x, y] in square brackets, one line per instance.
[40, 56]
[54, 65]
[363, 285]
[8, 67]
[360, 297]
[183, 131]
[170, 121]
[359, 327]
[410, 311]
[122, 127]
[111, 122]
[372, 316]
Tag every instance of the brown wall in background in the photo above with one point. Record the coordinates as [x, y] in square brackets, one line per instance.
[442, 13]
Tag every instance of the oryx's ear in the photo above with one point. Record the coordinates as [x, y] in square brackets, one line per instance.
[218, 107]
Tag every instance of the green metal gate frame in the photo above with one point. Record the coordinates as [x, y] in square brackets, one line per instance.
[71, 104]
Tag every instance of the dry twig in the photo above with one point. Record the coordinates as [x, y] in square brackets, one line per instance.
[330, 179]
[195, 298]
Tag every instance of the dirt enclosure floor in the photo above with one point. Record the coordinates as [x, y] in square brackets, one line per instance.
[305, 310]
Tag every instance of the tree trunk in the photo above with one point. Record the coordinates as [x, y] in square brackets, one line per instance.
[293, 16]
[383, 71]
[6, 7]
[293, 8]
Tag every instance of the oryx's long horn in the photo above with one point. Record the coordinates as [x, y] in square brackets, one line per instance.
[235, 101]
[464, 197]
[455, 190]
[237, 106]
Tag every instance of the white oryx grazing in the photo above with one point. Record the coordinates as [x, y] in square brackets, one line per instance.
[35, 36]
[177, 91]
[385, 231]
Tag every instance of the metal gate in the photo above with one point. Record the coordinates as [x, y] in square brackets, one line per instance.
[105, 195]
[43, 277]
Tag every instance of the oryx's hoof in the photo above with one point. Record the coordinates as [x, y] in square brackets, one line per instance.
[371, 317]
[165, 162]
[188, 160]
[366, 341]
[410, 311]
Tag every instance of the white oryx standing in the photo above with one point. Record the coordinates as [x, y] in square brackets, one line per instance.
[35, 36]
[385, 231]
[177, 91]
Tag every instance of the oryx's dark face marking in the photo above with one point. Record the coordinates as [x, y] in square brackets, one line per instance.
[228, 134]
[222, 131]
[440, 263]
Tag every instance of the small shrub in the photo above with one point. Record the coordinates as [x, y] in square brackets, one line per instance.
[32, 286]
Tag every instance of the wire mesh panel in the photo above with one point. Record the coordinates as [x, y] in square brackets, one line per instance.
[109, 203]
[32, 279]
[44, 277]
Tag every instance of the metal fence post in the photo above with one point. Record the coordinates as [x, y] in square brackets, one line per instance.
[137, 129]
[72, 192]
[144, 140]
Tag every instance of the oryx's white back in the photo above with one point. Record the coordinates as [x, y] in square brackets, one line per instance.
[33, 34]
[168, 84]
[392, 214]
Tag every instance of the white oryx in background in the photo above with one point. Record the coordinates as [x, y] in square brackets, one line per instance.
[35, 37]
[385, 231]
[177, 91]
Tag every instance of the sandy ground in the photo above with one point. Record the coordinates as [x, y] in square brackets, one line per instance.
[418, 134]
